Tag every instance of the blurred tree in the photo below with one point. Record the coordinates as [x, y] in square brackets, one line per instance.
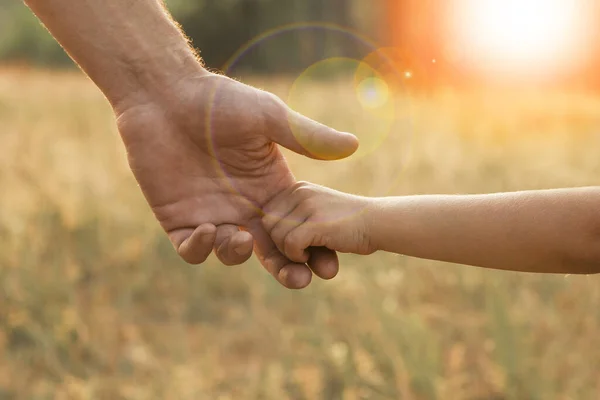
[218, 27]
[24, 39]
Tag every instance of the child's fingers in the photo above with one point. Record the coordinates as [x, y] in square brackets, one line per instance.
[270, 220]
[291, 275]
[273, 218]
[283, 227]
[298, 240]
[286, 201]
[278, 210]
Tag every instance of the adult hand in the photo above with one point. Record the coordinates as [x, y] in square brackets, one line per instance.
[202, 146]
[206, 157]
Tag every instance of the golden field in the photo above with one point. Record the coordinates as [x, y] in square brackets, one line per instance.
[94, 304]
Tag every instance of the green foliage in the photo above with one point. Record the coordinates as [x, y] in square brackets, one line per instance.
[23, 38]
[219, 28]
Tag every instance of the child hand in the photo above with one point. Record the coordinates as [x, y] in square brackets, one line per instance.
[308, 215]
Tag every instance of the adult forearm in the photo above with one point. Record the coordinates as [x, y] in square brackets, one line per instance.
[129, 48]
[556, 231]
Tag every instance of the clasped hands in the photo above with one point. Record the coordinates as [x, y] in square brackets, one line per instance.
[205, 153]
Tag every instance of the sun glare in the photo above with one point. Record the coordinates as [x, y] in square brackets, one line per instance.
[519, 35]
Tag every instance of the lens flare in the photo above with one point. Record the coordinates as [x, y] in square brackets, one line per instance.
[373, 93]
[296, 28]
[369, 101]
[369, 113]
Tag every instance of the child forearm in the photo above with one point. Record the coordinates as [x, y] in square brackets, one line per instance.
[551, 231]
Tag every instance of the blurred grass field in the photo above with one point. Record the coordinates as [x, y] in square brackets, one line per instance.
[95, 305]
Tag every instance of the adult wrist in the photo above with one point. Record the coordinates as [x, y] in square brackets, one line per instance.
[152, 75]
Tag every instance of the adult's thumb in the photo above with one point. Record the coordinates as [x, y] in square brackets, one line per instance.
[311, 138]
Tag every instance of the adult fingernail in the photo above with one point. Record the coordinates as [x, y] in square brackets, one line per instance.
[240, 250]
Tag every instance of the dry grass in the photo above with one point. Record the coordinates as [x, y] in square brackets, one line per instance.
[95, 305]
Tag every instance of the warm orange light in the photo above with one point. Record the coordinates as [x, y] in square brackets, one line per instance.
[519, 35]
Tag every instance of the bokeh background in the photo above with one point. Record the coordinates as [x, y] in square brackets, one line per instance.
[457, 96]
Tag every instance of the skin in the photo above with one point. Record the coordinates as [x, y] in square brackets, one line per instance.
[547, 231]
[203, 147]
